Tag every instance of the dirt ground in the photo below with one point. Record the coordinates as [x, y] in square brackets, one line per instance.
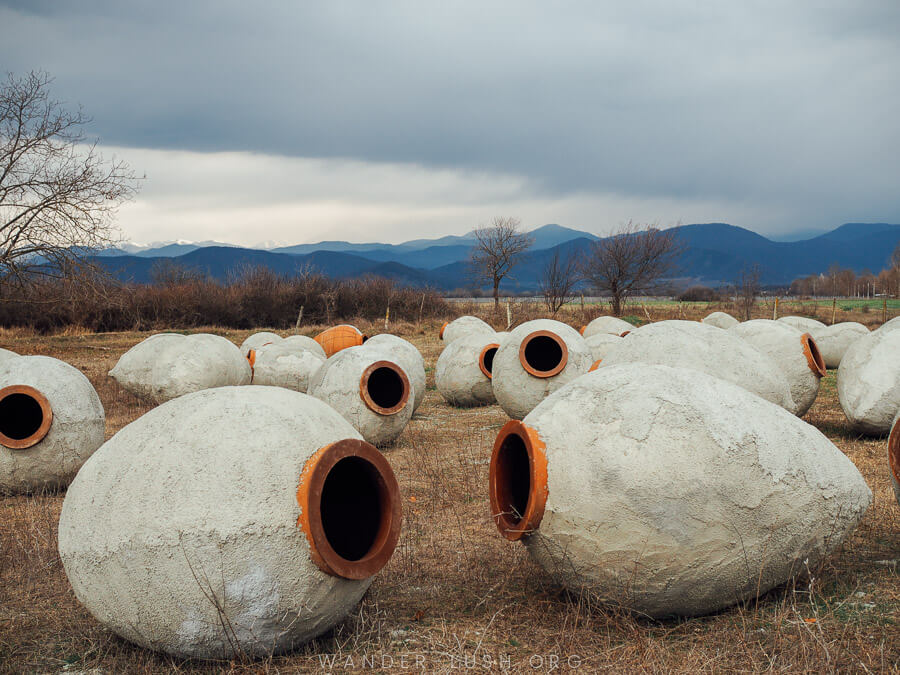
[456, 596]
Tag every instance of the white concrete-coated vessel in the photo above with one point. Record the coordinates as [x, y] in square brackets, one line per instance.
[408, 357]
[51, 421]
[609, 325]
[796, 353]
[706, 349]
[369, 390]
[239, 521]
[280, 364]
[464, 370]
[868, 382]
[720, 320]
[463, 325]
[537, 358]
[834, 341]
[671, 492]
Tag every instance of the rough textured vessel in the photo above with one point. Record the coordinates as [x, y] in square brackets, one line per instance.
[600, 344]
[408, 357]
[302, 342]
[706, 349]
[280, 364]
[606, 324]
[720, 320]
[802, 323]
[868, 382]
[369, 390]
[134, 368]
[234, 521]
[168, 365]
[340, 337]
[51, 421]
[537, 358]
[796, 353]
[465, 368]
[671, 492]
[893, 324]
[834, 341]
[257, 340]
[464, 325]
[6, 354]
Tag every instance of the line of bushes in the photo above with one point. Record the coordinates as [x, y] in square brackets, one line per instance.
[257, 297]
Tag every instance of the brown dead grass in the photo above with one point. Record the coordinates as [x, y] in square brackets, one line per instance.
[456, 596]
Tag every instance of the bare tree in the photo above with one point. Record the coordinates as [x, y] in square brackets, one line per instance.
[498, 248]
[558, 280]
[747, 290]
[57, 194]
[630, 261]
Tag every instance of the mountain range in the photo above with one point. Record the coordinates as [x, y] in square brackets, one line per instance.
[713, 254]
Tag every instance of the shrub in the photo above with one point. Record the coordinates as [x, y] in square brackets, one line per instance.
[253, 297]
[699, 294]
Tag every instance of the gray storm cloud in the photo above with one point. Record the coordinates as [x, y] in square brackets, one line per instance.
[787, 107]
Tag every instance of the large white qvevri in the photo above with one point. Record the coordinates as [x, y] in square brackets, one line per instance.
[671, 492]
[232, 521]
[51, 421]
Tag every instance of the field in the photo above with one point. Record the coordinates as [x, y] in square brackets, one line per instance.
[456, 596]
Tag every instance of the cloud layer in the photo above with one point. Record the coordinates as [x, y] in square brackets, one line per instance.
[772, 115]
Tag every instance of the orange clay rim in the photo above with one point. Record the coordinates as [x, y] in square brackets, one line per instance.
[595, 365]
[46, 411]
[309, 498]
[544, 373]
[624, 333]
[583, 328]
[509, 527]
[441, 334]
[813, 358]
[894, 451]
[364, 388]
[487, 373]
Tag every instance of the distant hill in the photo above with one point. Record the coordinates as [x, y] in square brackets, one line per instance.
[714, 253]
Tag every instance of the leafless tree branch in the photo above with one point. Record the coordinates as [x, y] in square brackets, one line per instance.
[631, 261]
[498, 248]
[57, 194]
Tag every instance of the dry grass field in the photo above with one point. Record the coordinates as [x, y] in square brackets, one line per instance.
[456, 596]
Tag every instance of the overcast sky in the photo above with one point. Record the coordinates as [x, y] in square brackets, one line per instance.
[368, 121]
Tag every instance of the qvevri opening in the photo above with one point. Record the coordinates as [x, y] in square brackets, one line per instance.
[350, 509]
[518, 480]
[543, 354]
[25, 417]
[486, 359]
[813, 357]
[384, 388]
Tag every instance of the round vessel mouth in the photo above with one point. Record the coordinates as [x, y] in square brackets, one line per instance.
[350, 509]
[543, 353]
[894, 451]
[518, 480]
[486, 359]
[25, 417]
[441, 334]
[384, 388]
[595, 365]
[813, 358]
